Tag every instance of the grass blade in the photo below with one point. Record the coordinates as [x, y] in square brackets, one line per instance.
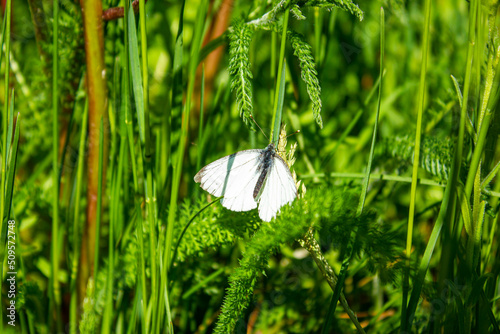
[54, 296]
[142, 295]
[140, 103]
[347, 257]
[11, 172]
[279, 93]
[416, 159]
[77, 226]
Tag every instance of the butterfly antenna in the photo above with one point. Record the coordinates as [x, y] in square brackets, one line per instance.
[291, 134]
[253, 119]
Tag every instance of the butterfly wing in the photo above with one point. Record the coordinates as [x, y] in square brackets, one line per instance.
[278, 189]
[233, 177]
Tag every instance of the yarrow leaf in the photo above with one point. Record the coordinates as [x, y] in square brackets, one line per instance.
[303, 52]
[297, 13]
[239, 68]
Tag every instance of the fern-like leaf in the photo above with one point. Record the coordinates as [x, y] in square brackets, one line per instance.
[317, 207]
[212, 228]
[239, 294]
[88, 320]
[435, 156]
[330, 4]
[269, 21]
[303, 52]
[297, 13]
[254, 261]
[239, 68]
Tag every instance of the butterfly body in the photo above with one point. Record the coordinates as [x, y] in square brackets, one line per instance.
[248, 179]
[267, 160]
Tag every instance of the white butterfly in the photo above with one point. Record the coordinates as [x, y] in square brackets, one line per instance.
[249, 177]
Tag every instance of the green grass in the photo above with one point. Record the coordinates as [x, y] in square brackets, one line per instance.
[395, 228]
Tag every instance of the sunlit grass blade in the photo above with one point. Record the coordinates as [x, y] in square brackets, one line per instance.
[10, 121]
[466, 209]
[142, 295]
[150, 187]
[200, 124]
[9, 190]
[347, 257]
[200, 285]
[5, 138]
[278, 110]
[419, 280]
[186, 114]
[135, 71]
[280, 84]
[115, 208]
[77, 225]
[11, 172]
[140, 103]
[177, 94]
[54, 292]
[9, 193]
[99, 200]
[416, 159]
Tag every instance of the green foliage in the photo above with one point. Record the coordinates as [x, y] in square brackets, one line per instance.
[38, 72]
[270, 20]
[212, 229]
[308, 72]
[239, 68]
[239, 63]
[125, 277]
[88, 322]
[342, 4]
[435, 156]
[332, 212]
[376, 242]
[295, 9]
[71, 52]
[240, 293]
